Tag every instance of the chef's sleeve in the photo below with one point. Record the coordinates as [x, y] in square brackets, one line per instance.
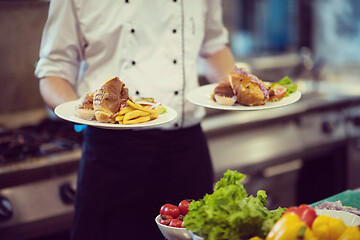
[216, 35]
[61, 48]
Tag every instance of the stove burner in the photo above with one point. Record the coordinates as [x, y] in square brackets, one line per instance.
[47, 137]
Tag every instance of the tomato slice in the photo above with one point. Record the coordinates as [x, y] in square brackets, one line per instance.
[278, 93]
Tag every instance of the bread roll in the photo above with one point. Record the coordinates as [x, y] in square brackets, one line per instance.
[85, 110]
[224, 95]
[108, 99]
[86, 114]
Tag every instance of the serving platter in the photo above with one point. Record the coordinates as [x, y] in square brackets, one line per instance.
[66, 111]
[202, 97]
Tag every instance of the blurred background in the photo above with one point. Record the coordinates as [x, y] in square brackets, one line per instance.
[300, 153]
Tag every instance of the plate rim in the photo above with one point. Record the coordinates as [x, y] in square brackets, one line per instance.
[296, 96]
[72, 118]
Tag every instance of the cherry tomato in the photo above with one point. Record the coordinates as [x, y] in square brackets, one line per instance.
[163, 208]
[291, 209]
[306, 213]
[176, 223]
[165, 219]
[184, 207]
[171, 210]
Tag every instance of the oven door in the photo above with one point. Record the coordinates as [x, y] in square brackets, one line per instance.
[37, 209]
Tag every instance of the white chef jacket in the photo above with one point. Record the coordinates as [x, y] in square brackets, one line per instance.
[152, 46]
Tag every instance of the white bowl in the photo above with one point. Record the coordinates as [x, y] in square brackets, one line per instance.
[173, 233]
[348, 218]
[196, 237]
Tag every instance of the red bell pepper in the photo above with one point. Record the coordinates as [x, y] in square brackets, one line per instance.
[306, 213]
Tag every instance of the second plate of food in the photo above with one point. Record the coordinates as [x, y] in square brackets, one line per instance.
[202, 96]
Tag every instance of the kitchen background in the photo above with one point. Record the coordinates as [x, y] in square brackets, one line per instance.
[301, 153]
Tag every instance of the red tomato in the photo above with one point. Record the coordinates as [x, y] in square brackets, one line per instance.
[163, 208]
[176, 223]
[165, 219]
[291, 209]
[279, 93]
[307, 214]
[171, 210]
[184, 207]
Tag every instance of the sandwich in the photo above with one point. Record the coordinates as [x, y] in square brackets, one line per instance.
[241, 87]
[85, 110]
[105, 102]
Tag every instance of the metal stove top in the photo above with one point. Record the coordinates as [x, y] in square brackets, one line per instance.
[37, 151]
[43, 139]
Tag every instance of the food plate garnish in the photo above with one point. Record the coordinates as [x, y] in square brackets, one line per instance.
[241, 90]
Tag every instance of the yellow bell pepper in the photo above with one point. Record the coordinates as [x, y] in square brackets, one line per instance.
[328, 228]
[351, 233]
[290, 227]
[255, 238]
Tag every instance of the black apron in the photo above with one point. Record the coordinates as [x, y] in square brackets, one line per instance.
[125, 176]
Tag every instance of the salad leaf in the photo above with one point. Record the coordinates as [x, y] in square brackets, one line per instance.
[230, 213]
[162, 108]
[289, 85]
[286, 81]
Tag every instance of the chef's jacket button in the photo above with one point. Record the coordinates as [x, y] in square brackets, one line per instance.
[137, 92]
[174, 61]
[176, 125]
[133, 62]
[132, 30]
[127, 1]
[174, 0]
[174, 30]
[176, 92]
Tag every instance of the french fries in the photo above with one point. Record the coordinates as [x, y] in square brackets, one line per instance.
[135, 113]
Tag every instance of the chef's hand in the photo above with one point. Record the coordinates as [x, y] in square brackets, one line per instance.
[219, 65]
[55, 91]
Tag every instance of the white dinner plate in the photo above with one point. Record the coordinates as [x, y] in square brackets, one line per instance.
[202, 96]
[66, 111]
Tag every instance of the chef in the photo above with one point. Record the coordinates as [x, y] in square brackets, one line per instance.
[153, 47]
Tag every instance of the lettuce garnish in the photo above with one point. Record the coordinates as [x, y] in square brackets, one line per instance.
[230, 213]
[289, 85]
[162, 108]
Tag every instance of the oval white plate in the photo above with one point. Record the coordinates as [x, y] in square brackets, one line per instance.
[66, 111]
[202, 96]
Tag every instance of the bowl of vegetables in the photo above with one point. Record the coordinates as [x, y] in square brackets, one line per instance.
[170, 221]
